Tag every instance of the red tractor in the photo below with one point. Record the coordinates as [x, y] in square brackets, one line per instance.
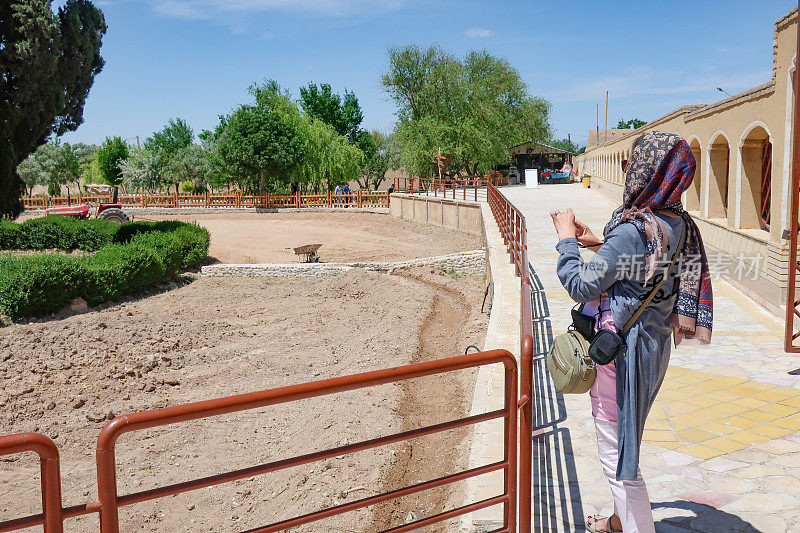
[112, 211]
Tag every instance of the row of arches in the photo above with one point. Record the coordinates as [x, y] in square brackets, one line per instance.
[714, 193]
[609, 166]
[722, 182]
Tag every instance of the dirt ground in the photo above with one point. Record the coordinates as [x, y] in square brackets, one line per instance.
[345, 236]
[214, 337]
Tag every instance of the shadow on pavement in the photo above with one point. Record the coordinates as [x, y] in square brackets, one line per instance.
[557, 504]
[556, 495]
[706, 518]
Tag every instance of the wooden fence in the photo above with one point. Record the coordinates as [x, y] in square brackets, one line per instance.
[360, 198]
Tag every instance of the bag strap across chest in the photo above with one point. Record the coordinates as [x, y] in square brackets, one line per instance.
[657, 286]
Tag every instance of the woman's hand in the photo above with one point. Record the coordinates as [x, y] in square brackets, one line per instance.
[564, 222]
[585, 235]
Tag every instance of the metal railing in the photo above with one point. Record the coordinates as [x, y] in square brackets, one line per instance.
[359, 198]
[791, 331]
[456, 188]
[514, 231]
[109, 501]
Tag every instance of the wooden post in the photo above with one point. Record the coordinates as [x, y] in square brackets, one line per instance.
[208, 199]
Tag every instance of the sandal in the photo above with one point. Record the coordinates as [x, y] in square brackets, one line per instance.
[593, 526]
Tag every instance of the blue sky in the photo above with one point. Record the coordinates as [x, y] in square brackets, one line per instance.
[195, 58]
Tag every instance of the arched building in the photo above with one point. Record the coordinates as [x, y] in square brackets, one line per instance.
[740, 194]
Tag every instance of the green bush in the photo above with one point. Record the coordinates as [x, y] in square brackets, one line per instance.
[37, 285]
[64, 233]
[9, 233]
[122, 269]
[126, 232]
[129, 258]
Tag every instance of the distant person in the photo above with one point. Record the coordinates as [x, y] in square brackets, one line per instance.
[391, 188]
[295, 188]
[337, 192]
[346, 192]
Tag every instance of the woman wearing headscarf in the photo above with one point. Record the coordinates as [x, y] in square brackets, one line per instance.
[644, 235]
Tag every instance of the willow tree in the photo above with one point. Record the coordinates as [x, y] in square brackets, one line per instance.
[472, 109]
[48, 62]
[330, 159]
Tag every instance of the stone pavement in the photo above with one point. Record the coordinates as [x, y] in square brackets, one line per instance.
[722, 445]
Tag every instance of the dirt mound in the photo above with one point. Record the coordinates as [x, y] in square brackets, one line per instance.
[220, 336]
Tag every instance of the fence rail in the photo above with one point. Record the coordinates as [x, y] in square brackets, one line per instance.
[513, 229]
[109, 501]
[360, 198]
[455, 188]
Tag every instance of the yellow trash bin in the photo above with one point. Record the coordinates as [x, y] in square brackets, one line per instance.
[586, 182]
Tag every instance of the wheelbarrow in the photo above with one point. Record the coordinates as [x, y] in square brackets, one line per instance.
[308, 253]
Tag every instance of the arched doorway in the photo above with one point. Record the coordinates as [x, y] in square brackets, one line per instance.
[756, 186]
[693, 192]
[719, 163]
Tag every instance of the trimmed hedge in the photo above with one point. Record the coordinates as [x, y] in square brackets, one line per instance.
[64, 233]
[128, 259]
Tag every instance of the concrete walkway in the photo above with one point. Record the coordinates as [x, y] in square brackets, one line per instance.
[722, 446]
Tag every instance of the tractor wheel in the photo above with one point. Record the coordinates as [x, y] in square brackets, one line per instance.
[117, 216]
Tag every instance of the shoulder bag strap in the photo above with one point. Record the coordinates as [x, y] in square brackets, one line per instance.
[655, 289]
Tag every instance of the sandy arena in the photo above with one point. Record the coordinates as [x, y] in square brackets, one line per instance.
[345, 236]
[211, 337]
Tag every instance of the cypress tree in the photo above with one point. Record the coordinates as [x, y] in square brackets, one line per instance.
[48, 62]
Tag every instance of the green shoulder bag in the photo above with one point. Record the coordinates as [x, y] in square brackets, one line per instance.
[569, 364]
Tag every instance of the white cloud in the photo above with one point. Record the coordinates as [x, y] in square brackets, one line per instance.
[209, 9]
[478, 33]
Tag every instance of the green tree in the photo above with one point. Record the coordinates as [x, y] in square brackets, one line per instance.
[631, 124]
[38, 167]
[55, 165]
[566, 144]
[190, 165]
[48, 62]
[472, 109]
[92, 173]
[219, 173]
[173, 137]
[142, 171]
[342, 112]
[113, 151]
[379, 156]
[263, 141]
[328, 158]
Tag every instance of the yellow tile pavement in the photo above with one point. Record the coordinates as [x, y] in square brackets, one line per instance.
[706, 415]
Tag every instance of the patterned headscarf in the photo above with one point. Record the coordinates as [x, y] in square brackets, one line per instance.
[661, 167]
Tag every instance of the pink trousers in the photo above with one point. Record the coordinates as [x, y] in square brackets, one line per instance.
[631, 500]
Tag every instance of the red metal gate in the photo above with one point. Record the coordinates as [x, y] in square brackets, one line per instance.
[792, 301]
[109, 501]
